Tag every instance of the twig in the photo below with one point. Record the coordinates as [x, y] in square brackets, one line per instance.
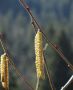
[26, 7]
[34, 26]
[67, 84]
[14, 66]
[37, 85]
[49, 76]
[45, 47]
[46, 67]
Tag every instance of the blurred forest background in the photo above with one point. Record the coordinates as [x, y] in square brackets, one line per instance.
[56, 18]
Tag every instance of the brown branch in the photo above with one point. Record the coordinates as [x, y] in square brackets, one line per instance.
[26, 7]
[46, 67]
[49, 76]
[14, 66]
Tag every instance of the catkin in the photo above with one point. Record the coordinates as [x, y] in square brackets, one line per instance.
[39, 55]
[4, 71]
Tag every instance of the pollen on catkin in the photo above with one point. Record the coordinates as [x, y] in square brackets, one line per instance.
[39, 55]
[4, 71]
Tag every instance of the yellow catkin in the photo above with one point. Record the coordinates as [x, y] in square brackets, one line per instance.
[39, 55]
[4, 71]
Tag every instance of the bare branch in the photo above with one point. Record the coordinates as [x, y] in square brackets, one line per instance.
[68, 83]
[58, 50]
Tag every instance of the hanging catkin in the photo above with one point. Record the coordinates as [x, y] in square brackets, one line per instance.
[39, 55]
[4, 72]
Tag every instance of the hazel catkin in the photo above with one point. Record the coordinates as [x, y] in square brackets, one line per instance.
[39, 55]
[4, 71]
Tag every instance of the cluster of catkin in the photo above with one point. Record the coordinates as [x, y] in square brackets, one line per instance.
[39, 62]
[4, 71]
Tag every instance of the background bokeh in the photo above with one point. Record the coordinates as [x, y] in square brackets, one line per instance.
[56, 19]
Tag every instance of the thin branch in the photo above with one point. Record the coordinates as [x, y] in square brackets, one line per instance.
[46, 67]
[37, 85]
[34, 26]
[14, 66]
[26, 7]
[45, 47]
[68, 83]
[49, 76]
